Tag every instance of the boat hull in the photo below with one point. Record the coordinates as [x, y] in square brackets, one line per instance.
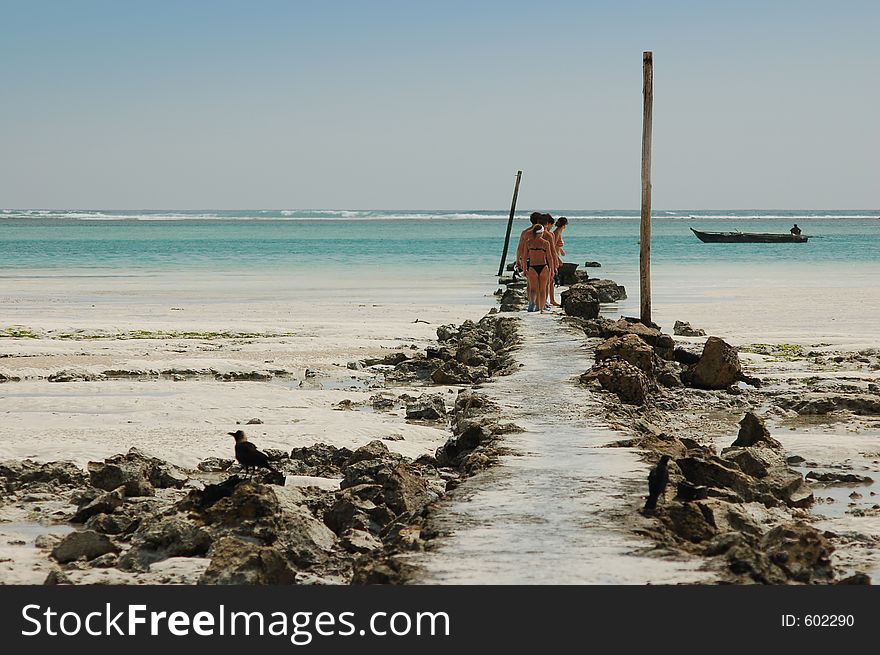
[748, 237]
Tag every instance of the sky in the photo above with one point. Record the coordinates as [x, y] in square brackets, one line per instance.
[385, 104]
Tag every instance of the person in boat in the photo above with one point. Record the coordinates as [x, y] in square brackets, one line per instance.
[796, 231]
[556, 234]
[539, 266]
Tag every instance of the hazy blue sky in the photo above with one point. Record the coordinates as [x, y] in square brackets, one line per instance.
[259, 104]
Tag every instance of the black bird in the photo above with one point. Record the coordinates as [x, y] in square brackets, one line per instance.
[658, 478]
[247, 454]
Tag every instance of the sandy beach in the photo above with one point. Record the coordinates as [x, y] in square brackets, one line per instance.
[163, 393]
[95, 364]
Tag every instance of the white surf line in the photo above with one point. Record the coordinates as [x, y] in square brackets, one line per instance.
[558, 512]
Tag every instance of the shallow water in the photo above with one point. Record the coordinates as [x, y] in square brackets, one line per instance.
[257, 270]
[559, 511]
[834, 501]
[438, 247]
[834, 449]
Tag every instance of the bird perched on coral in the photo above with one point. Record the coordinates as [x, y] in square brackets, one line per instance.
[658, 478]
[247, 454]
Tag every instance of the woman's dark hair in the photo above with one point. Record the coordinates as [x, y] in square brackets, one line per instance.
[562, 221]
[539, 218]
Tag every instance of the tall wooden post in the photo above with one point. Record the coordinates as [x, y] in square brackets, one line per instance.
[509, 224]
[645, 231]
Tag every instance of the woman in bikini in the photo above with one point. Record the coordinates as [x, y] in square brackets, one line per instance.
[522, 254]
[540, 260]
[556, 235]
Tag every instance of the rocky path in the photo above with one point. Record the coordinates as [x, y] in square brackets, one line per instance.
[562, 510]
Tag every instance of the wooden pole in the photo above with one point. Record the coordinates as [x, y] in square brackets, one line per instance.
[509, 224]
[645, 230]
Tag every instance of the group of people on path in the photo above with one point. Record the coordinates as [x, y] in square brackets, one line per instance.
[539, 256]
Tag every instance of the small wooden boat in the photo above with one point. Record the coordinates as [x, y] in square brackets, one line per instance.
[748, 237]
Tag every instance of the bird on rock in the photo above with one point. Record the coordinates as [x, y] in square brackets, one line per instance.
[658, 478]
[247, 454]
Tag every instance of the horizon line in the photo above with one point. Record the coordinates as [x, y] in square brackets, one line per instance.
[429, 209]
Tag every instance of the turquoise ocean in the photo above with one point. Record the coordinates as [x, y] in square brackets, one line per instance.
[399, 249]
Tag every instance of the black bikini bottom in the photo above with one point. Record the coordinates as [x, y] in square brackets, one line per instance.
[537, 267]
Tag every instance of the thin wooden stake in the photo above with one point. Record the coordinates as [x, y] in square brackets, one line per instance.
[645, 230]
[509, 224]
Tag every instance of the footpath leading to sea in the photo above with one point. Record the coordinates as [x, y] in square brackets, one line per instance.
[742, 506]
[562, 507]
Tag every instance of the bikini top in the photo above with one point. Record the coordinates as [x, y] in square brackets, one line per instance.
[544, 249]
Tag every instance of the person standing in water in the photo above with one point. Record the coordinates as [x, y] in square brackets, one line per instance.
[539, 267]
[556, 236]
